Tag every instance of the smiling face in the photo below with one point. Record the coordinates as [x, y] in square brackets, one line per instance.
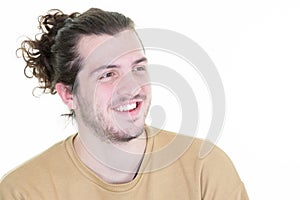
[114, 93]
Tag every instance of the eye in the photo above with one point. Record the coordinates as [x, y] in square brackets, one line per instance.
[139, 68]
[108, 76]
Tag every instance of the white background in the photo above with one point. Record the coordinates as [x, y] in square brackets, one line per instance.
[255, 46]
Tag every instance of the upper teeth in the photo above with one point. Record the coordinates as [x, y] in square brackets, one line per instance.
[126, 107]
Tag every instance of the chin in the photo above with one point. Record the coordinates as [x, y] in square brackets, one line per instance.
[124, 133]
[122, 136]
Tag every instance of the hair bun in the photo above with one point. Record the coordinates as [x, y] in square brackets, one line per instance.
[37, 53]
[52, 22]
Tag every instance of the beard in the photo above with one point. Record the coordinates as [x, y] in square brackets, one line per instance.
[108, 127]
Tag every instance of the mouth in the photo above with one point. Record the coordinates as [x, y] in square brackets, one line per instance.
[129, 107]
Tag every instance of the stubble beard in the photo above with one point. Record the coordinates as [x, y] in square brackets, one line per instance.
[108, 130]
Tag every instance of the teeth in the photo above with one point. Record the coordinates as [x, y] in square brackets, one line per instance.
[127, 107]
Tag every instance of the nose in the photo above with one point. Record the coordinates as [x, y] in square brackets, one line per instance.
[129, 85]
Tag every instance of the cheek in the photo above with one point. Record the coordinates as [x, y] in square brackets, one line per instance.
[103, 96]
[147, 89]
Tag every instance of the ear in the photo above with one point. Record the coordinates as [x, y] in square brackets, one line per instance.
[66, 95]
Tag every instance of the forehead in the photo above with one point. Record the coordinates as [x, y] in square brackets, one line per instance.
[104, 49]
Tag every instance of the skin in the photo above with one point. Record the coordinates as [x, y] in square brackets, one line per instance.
[110, 105]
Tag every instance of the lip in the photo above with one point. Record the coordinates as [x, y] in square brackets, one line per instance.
[131, 113]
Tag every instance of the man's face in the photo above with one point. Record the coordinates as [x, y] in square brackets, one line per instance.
[114, 92]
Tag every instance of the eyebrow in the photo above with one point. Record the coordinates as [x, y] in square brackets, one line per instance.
[143, 59]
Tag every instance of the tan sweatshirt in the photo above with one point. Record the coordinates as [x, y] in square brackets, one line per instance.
[171, 170]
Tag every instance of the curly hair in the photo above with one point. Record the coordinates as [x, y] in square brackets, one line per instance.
[52, 57]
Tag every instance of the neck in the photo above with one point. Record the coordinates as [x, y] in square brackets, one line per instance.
[112, 162]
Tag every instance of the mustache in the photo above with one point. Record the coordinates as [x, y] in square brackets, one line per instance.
[127, 98]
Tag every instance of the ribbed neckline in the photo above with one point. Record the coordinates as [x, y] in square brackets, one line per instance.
[89, 174]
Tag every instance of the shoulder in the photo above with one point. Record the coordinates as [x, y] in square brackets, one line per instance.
[202, 161]
[203, 151]
[218, 175]
[35, 169]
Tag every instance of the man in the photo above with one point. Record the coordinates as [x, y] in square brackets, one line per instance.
[96, 63]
